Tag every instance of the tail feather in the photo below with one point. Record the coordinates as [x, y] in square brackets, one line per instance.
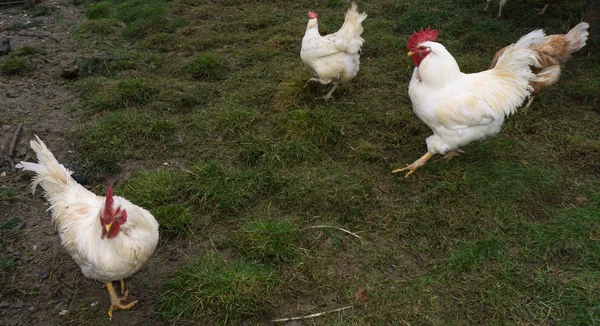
[51, 175]
[349, 33]
[517, 58]
[578, 36]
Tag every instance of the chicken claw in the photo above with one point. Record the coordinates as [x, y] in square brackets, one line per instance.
[417, 164]
[452, 154]
[115, 300]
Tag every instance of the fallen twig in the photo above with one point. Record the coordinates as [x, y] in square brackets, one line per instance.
[309, 316]
[11, 149]
[333, 227]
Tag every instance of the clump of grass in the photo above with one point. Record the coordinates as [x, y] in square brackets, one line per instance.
[207, 66]
[201, 189]
[311, 126]
[100, 10]
[119, 136]
[29, 24]
[327, 188]
[163, 193]
[27, 50]
[268, 242]
[41, 10]
[471, 255]
[98, 27]
[7, 262]
[214, 290]
[162, 42]
[14, 65]
[104, 94]
[568, 240]
[144, 17]
[107, 66]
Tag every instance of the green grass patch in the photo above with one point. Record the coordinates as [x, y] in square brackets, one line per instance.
[100, 10]
[268, 242]
[41, 10]
[98, 27]
[503, 234]
[105, 94]
[207, 66]
[29, 24]
[120, 136]
[13, 65]
[27, 50]
[212, 289]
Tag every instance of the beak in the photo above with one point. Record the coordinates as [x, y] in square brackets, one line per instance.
[410, 53]
[107, 226]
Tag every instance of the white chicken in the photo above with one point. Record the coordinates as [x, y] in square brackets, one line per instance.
[333, 58]
[108, 237]
[461, 108]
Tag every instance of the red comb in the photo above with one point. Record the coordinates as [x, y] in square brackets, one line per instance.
[108, 203]
[312, 15]
[420, 37]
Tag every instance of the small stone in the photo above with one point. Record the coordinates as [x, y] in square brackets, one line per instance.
[44, 275]
[70, 72]
[10, 94]
[93, 304]
[63, 312]
[31, 308]
[4, 304]
[3, 174]
[19, 304]
[419, 261]
[43, 247]
[390, 270]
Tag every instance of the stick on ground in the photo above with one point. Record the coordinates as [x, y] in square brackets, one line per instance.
[309, 316]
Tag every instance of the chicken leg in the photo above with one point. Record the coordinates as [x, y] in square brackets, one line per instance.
[526, 108]
[115, 300]
[328, 95]
[417, 164]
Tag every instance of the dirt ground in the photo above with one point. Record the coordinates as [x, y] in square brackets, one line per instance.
[44, 286]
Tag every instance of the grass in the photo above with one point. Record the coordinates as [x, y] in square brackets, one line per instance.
[507, 233]
[211, 288]
[14, 65]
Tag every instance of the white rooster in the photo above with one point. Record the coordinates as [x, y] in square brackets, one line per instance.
[333, 58]
[461, 108]
[108, 237]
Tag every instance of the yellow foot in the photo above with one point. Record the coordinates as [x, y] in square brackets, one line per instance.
[116, 301]
[452, 154]
[417, 164]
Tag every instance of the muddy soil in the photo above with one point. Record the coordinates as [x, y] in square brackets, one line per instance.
[39, 283]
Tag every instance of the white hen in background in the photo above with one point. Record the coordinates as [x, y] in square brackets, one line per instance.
[108, 237]
[333, 58]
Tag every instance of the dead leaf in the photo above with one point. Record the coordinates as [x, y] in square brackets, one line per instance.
[361, 295]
